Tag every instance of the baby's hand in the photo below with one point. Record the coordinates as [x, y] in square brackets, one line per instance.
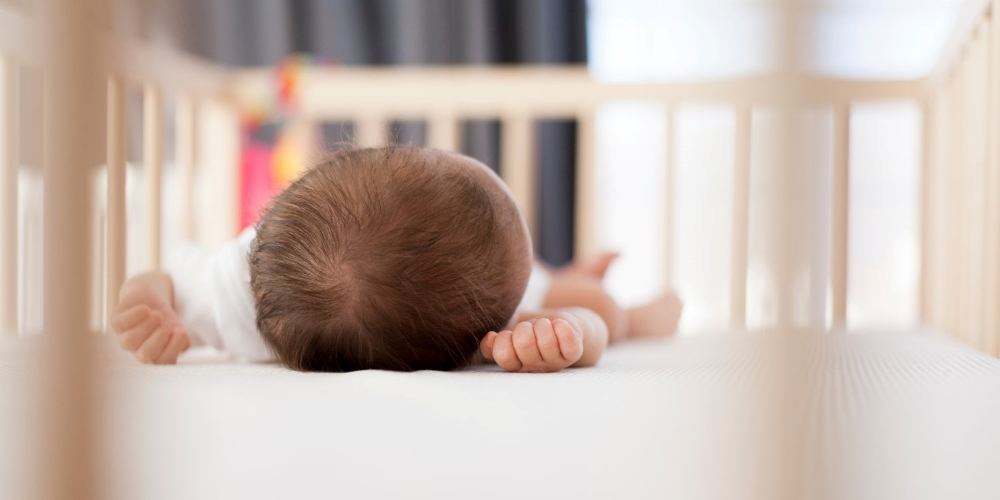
[536, 346]
[148, 327]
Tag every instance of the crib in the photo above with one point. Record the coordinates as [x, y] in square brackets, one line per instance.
[960, 261]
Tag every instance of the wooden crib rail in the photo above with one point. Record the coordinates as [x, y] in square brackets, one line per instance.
[159, 72]
[961, 194]
[519, 95]
[542, 91]
[9, 142]
[443, 96]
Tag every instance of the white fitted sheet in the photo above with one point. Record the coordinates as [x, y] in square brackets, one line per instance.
[883, 415]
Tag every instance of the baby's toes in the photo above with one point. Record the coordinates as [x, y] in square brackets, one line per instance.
[570, 340]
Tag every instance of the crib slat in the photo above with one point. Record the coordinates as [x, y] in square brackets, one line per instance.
[9, 162]
[968, 313]
[741, 217]
[517, 158]
[841, 208]
[114, 264]
[959, 295]
[370, 131]
[945, 210]
[929, 204]
[668, 197]
[186, 158]
[73, 107]
[966, 310]
[585, 230]
[991, 324]
[153, 159]
[976, 185]
[444, 133]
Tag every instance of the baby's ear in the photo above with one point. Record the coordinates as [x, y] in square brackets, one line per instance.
[598, 266]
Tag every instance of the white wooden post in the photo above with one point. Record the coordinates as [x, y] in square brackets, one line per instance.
[444, 132]
[741, 218]
[115, 226]
[517, 163]
[585, 225]
[186, 156]
[668, 197]
[9, 164]
[153, 159]
[841, 209]
[370, 131]
[991, 325]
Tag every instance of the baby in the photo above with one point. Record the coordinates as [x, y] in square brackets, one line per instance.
[397, 258]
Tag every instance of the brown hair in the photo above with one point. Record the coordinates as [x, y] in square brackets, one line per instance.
[398, 258]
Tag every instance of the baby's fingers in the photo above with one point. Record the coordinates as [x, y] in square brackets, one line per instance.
[570, 340]
[526, 346]
[503, 352]
[154, 346]
[179, 342]
[486, 345]
[133, 338]
[548, 344]
[130, 318]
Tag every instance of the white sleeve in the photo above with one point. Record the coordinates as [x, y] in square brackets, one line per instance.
[213, 297]
[538, 289]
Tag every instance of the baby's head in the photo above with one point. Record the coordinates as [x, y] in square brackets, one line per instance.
[398, 258]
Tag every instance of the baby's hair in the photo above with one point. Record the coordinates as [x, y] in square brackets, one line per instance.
[398, 258]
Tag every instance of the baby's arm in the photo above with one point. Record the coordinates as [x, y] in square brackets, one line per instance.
[581, 285]
[548, 341]
[202, 294]
[147, 322]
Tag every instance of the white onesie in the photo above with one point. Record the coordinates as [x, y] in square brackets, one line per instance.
[213, 297]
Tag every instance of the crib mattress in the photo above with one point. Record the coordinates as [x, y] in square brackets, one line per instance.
[878, 415]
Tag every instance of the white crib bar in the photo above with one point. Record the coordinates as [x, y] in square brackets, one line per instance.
[929, 202]
[585, 220]
[115, 227]
[991, 324]
[153, 159]
[517, 163]
[186, 159]
[668, 197]
[444, 132]
[9, 163]
[966, 315]
[975, 185]
[962, 321]
[741, 217]
[841, 200]
[370, 131]
[67, 413]
[951, 206]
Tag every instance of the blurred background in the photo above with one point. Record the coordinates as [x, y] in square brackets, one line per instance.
[621, 41]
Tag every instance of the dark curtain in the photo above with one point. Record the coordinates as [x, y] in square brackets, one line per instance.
[397, 32]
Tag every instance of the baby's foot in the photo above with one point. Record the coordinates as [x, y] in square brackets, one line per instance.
[657, 319]
[540, 345]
